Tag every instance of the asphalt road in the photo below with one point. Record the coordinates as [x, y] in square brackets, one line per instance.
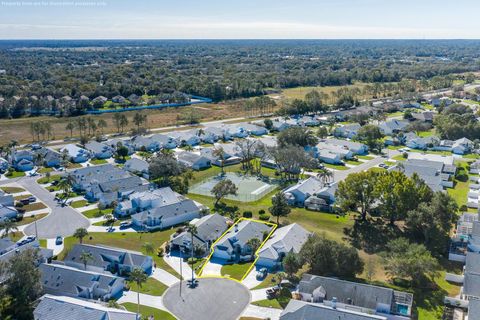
[62, 221]
[214, 298]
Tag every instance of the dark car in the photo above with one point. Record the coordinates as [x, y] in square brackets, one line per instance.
[58, 240]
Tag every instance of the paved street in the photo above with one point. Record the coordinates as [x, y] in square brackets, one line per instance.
[214, 298]
[62, 221]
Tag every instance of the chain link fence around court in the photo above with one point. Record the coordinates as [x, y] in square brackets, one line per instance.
[250, 188]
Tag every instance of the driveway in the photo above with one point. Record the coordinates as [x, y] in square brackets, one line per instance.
[62, 221]
[213, 298]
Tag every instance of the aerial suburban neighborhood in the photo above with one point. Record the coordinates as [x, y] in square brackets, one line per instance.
[316, 160]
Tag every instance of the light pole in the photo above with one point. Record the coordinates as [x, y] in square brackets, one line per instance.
[181, 272]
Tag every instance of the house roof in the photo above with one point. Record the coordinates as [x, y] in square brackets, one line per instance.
[165, 196]
[171, 210]
[242, 232]
[472, 263]
[137, 165]
[301, 310]
[64, 280]
[48, 154]
[471, 284]
[362, 295]
[393, 125]
[102, 255]
[161, 139]
[97, 147]
[73, 150]
[60, 308]
[345, 143]
[286, 239]
[98, 174]
[309, 186]
[333, 148]
[190, 158]
[121, 185]
[448, 160]
[184, 135]
[209, 228]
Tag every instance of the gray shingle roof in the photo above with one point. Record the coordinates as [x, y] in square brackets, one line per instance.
[244, 231]
[209, 228]
[286, 239]
[309, 186]
[300, 310]
[361, 295]
[61, 308]
[167, 211]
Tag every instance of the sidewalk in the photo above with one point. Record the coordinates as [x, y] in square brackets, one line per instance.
[145, 300]
[164, 277]
[174, 262]
[262, 312]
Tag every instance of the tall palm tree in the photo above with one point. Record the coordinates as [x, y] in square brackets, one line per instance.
[325, 175]
[220, 153]
[8, 226]
[66, 186]
[254, 244]
[85, 257]
[193, 232]
[80, 233]
[139, 277]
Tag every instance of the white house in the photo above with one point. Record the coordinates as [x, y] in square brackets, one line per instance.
[284, 240]
[355, 147]
[99, 150]
[75, 153]
[297, 194]
[137, 166]
[185, 138]
[349, 131]
[164, 141]
[193, 160]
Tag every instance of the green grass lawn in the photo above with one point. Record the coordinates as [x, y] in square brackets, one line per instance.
[95, 213]
[425, 134]
[390, 163]
[79, 203]
[235, 271]
[14, 174]
[365, 157]
[152, 287]
[45, 180]
[149, 311]
[34, 207]
[43, 243]
[12, 189]
[128, 240]
[399, 157]
[353, 162]
[72, 165]
[335, 166]
[45, 170]
[98, 161]
[395, 147]
[268, 282]
[461, 187]
[267, 303]
[29, 219]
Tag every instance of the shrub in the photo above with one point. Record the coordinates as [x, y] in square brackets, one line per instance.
[261, 212]
[463, 208]
[160, 252]
[264, 217]
[247, 214]
[405, 155]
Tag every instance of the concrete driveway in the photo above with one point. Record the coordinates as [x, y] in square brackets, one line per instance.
[214, 298]
[62, 221]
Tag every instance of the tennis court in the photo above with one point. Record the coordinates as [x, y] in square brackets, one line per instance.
[250, 188]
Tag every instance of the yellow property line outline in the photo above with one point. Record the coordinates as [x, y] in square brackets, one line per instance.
[212, 249]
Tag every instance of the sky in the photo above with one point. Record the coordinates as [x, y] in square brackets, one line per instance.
[240, 19]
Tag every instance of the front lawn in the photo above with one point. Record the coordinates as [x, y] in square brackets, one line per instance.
[34, 207]
[462, 185]
[236, 271]
[46, 180]
[98, 161]
[365, 157]
[29, 219]
[268, 282]
[353, 162]
[95, 213]
[335, 166]
[149, 311]
[152, 287]
[79, 204]
[14, 174]
[12, 189]
[45, 170]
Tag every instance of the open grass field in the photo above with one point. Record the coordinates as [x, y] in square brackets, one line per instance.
[300, 92]
[19, 129]
[149, 311]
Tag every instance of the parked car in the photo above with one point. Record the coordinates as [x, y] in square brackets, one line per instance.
[262, 273]
[30, 239]
[125, 224]
[31, 199]
[273, 292]
[58, 240]
[110, 229]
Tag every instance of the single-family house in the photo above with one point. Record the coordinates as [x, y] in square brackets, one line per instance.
[137, 166]
[114, 260]
[8, 213]
[99, 101]
[193, 160]
[185, 138]
[243, 130]
[436, 174]
[119, 99]
[280, 125]
[308, 121]
[76, 154]
[284, 240]
[462, 146]
[393, 126]
[231, 154]
[297, 194]
[61, 308]
[6, 199]
[166, 216]
[63, 280]
[209, 229]
[4, 165]
[24, 165]
[355, 147]
[212, 134]
[22, 160]
[233, 245]
[9, 249]
[372, 299]
[144, 200]
[110, 191]
[422, 143]
[114, 143]
[323, 200]
[99, 150]
[329, 157]
[50, 158]
[164, 141]
[142, 143]
[426, 116]
[323, 151]
[348, 131]
[302, 310]
[85, 178]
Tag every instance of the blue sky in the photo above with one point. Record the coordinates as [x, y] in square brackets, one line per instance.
[237, 19]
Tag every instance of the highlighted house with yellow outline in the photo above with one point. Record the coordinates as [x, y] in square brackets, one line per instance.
[232, 246]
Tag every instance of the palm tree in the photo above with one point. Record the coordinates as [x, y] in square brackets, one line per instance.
[325, 175]
[80, 233]
[219, 153]
[139, 277]
[193, 232]
[148, 247]
[85, 257]
[254, 244]
[110, 219]
[8, 226]
[66, 186]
